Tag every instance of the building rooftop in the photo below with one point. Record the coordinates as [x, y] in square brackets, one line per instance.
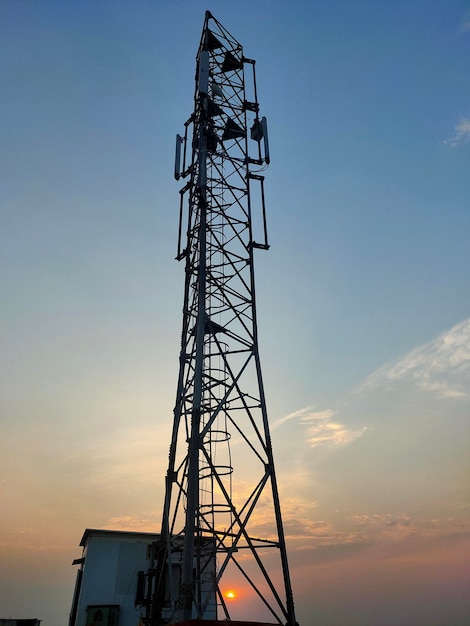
[115, 534]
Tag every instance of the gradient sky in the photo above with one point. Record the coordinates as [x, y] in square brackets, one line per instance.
[363, 299]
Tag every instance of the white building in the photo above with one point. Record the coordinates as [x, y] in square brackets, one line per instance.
[109, 585]
[106, 586]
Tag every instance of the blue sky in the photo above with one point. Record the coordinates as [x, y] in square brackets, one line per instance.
[363, 298]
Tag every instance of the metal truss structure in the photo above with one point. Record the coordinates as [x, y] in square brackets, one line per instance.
[222, 525]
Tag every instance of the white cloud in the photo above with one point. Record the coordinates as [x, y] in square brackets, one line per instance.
[321, 426]
[462, 131]
[292, 416]
[441, 366]
[323, 429]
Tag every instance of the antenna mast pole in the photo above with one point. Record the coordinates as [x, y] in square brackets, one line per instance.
[222, 523]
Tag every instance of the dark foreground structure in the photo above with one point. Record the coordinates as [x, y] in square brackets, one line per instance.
[19, 622]
[221, 502]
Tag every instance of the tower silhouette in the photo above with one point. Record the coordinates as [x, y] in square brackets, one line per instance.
[222, 528]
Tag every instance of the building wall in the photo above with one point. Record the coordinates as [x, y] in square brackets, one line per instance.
[107, 581]
[111, 563]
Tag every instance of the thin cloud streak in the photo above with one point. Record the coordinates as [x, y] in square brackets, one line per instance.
[145, 522]
[287, 418]
[461, 130]
[441, 366]
[321, 427]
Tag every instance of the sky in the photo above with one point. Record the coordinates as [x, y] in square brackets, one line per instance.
[363, 298]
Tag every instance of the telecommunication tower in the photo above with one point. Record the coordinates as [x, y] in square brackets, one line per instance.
[222, 529]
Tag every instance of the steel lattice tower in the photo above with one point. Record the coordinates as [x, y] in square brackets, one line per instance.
[222, 521]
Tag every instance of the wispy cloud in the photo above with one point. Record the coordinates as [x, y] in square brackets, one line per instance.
[318, 532]
[391, 534]
[390, 529]
[461, 131]
[441, 366]
[296, 415]
[322, 427]
[390, 526]
[146, 522]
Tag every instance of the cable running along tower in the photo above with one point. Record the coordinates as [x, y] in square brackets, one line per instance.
[221, 527]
